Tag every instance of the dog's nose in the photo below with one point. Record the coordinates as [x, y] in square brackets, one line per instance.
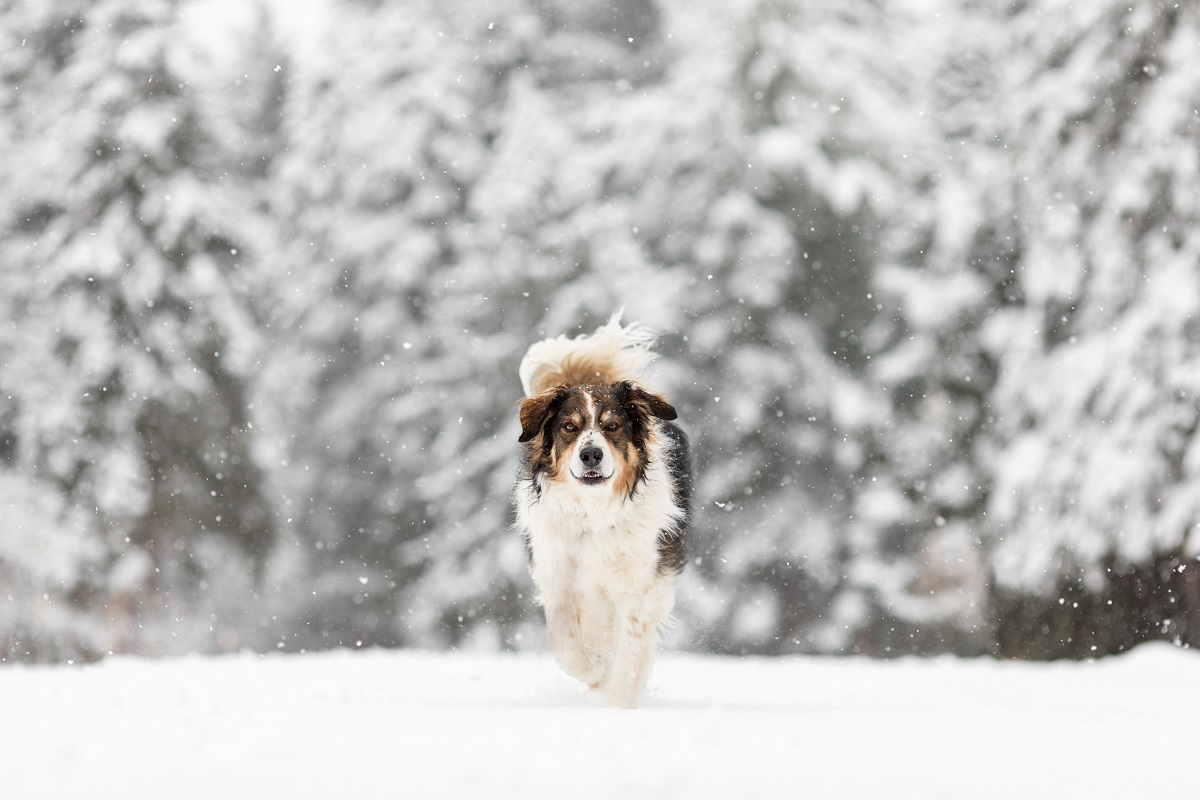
[591, 456]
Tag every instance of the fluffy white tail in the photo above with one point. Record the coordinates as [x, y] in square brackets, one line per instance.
[613, 353]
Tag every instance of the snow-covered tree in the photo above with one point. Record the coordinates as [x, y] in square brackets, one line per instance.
[129, 345]
[1093, 509]
[389, 347]
[808, 551]
[923, 270]
[950, 252]
[530, 177]
[1039, 374]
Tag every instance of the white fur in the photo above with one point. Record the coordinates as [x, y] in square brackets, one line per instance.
[627, 349]
[595, 565]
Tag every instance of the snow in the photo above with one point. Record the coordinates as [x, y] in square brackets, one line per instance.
[382, 723]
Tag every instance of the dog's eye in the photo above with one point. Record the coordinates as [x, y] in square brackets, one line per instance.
[613, 425]
[569, 426]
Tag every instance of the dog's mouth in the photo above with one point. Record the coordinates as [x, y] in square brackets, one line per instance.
[591, 477]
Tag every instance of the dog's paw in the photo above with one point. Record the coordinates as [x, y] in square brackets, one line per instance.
[620, 699]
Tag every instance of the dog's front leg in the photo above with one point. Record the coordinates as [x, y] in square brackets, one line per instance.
[564, 625]
[558, 594]
[633, 649]
[635, 637]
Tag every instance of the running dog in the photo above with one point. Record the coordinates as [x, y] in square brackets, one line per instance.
[603, 500]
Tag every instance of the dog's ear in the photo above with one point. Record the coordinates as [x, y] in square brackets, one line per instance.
[640, 403]
[538, 410]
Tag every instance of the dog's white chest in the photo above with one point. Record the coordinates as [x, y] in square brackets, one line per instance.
[591, 545]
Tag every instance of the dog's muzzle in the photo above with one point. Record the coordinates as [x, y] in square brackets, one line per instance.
[591, 461]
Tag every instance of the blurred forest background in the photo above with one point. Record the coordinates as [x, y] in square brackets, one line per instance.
[927, 274]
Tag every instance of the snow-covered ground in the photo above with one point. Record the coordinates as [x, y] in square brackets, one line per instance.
[376, 724]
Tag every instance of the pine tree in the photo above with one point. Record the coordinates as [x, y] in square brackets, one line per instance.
[42, 559]
[131, 342]
[951, 251]
[1093, 509]
[1039, 423]
[386, 359]
[788, 321]
[479, 204]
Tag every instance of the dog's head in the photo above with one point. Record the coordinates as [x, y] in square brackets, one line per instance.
[592, 435]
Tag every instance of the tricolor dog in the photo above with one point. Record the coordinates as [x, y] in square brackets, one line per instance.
[603, 500]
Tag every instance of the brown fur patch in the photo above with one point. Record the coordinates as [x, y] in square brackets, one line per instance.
[580, 370]
[645, 404]
[543, 460]
[538, 410]
[548, 445]
[630, 467]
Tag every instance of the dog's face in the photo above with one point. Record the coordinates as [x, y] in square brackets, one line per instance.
[591, 435]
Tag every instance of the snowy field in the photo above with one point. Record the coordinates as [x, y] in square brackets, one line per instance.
[376, 724]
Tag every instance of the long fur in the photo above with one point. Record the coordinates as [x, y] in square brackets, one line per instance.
[603, 501]
[613, 353]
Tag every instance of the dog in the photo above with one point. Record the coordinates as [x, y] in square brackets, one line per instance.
[604, 501]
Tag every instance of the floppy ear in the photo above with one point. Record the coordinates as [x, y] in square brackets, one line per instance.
[538, 410]
[639, 402]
